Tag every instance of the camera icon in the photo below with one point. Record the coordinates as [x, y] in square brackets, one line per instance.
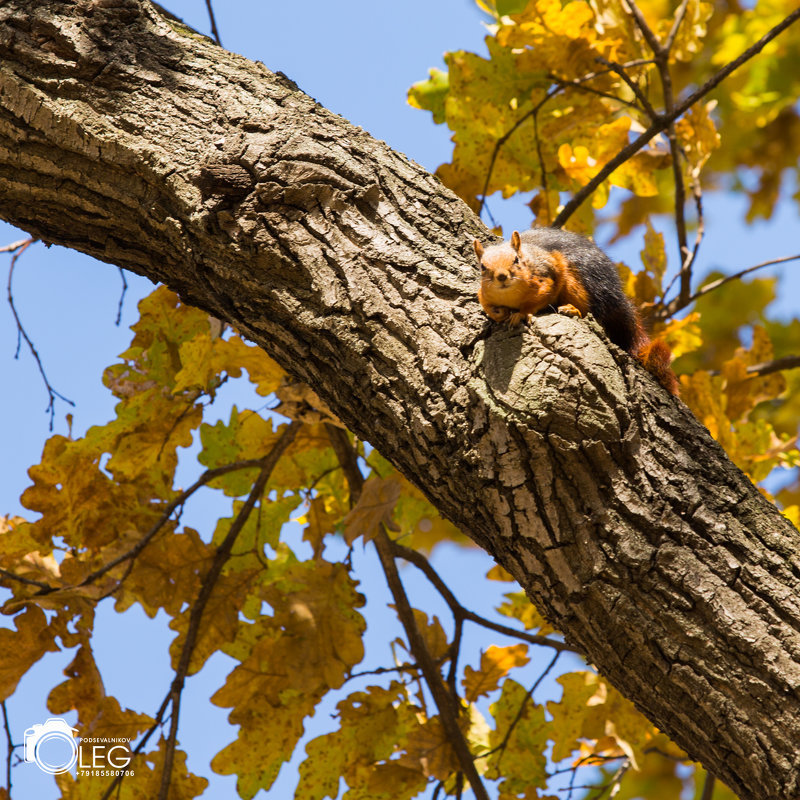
[51, 746]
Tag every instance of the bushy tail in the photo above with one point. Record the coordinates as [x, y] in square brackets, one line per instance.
[655, 357]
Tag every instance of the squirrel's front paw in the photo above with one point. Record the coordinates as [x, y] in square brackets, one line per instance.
[498, 313]
[517, 318]
[570, 311]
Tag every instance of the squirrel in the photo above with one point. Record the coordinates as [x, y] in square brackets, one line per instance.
[547, 267]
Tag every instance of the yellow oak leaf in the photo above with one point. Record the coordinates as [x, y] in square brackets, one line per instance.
[373, 726]
[683, 335]
[496, 663]
[23, 647]
[166, 573]
[499, 573]
[288, 662]
[373, 509]
[520, 726]
[519, 606]
[698, 134]
[428, 750]
[220, 621]
[654, 256]
[590, 710]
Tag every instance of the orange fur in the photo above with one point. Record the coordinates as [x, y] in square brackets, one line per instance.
[656, 357]
[520, 279]
[572, 291]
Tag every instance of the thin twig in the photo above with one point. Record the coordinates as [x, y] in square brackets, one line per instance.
[632, 85]
[9, 750]
[708, 787]
[520, 711]
[214, 30]
[615, 780]
[159, 718]
[676, 24]
[661, 55]
[455, 651]
[710, 287]
[446, 703]
[10, 248]
[122, 296]
[666, 310]
[581, 87]
[665, 119]
[383, 670]
[697, 193]
[767, 367]
[28, 581]
[22, 334]
[641, 23]
[460, 612]
[209, 582]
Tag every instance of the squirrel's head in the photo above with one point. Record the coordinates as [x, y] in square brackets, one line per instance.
[512, 261]
[513, 272]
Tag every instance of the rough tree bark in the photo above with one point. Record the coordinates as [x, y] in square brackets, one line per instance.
[128, 137]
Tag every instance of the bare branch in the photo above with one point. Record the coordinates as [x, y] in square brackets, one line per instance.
[159, 719]
[768, 367]
[665, 119]
[213, 21]
[28, 581]
[710, 287]
[446, 703]
[9, 748]
[460, 612]
[649, 36]
[20, 248]
[383, 671]
[661, 54]
[521, 710]
[632, 85]
[676, 24]
[209, 582]
[122, 296]
[10, 248]
[612, 786]
[708, 787]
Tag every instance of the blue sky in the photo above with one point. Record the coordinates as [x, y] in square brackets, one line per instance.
[358, 59]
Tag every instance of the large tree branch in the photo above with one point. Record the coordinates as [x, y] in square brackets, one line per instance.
[132, 139]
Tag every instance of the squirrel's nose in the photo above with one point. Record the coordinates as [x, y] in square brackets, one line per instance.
[501, 276]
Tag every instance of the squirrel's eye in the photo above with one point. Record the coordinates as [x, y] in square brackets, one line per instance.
[516, 260]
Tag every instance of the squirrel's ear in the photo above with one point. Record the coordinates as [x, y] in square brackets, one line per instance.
[478, 249]
[516, 242]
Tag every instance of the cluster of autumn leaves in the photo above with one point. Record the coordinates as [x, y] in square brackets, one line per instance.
[541, 114]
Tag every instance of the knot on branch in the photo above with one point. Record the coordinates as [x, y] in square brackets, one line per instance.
[556, 376]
